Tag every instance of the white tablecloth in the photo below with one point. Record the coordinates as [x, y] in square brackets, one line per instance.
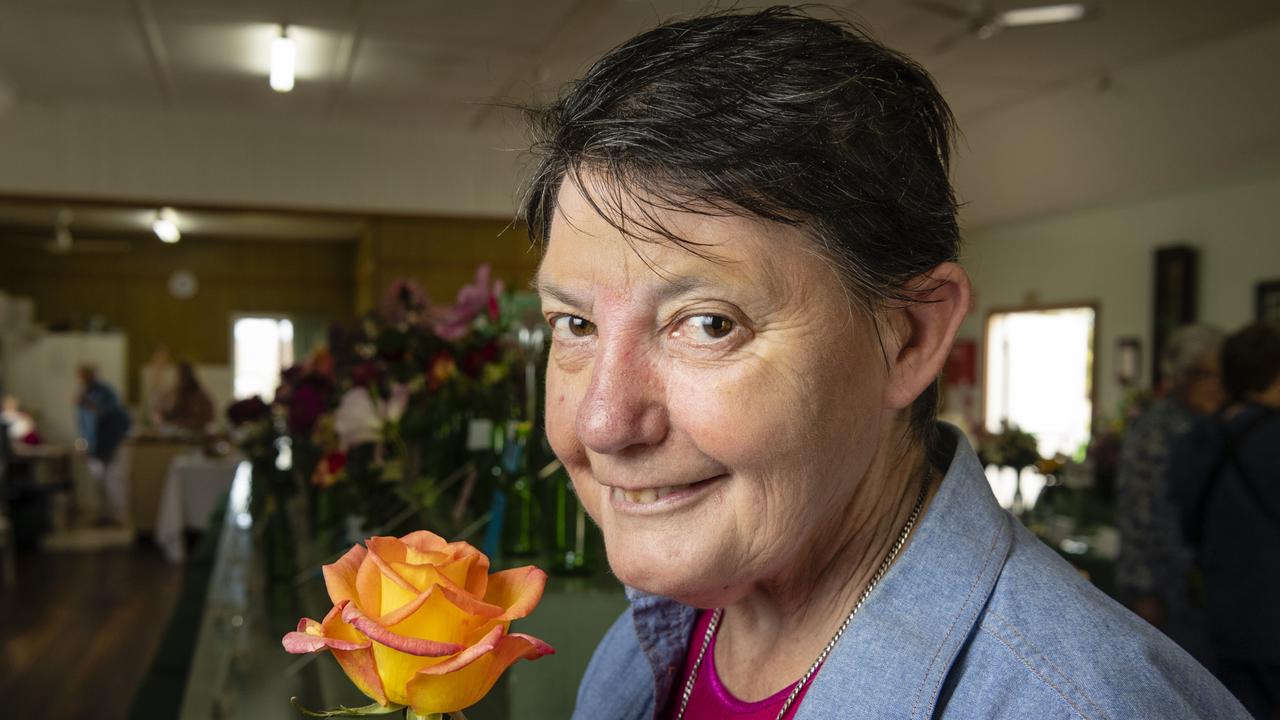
[192, 488]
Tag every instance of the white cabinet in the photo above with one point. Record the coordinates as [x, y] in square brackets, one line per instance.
[42, 375]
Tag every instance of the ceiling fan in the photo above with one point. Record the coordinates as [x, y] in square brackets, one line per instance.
[984, 23]
[62, 242]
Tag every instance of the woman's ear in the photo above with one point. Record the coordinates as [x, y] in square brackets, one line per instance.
[924, 331]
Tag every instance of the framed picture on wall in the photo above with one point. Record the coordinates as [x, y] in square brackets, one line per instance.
[1129, 361]
[1267, 302]
[1176, 273]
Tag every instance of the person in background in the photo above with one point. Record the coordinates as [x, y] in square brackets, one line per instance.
[159, 378]
[103, 424]
[1226, 475]
[18, 423]
[1153, 570]
[189, 406]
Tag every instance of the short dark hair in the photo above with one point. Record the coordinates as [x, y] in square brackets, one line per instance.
[1250, 360]
[772, 114]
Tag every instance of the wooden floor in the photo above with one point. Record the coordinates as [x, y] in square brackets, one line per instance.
[78, 633]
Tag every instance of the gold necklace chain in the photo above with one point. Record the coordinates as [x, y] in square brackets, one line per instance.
[795, 691]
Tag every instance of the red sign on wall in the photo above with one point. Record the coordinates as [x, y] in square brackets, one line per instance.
[962, 364]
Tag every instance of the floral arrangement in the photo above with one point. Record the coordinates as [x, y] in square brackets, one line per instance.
[1011, 447]
[374, 425]
[419, 624]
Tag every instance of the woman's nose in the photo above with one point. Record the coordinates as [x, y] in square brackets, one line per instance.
[625, 403]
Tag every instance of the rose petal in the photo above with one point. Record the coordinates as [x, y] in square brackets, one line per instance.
[340, 577]
[409, 645]
[471, 605]
[450, 574]
[424, 541]
[369, 586]
[393, 590]
[460, 682]
[300, 642]
[517, 591]
[358, 663]
[478, 575]
[444, 615]
[396, 667]
[468, 656]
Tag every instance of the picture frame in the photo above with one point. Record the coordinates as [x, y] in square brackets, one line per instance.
[1129, 361]
[1266, 307]
[1176, 299]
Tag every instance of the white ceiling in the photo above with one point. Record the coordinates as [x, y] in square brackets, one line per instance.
[437, 66]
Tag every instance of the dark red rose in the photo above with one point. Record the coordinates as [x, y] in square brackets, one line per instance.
[247, 411]
[365, 374]
[474, 361]
[309, 401]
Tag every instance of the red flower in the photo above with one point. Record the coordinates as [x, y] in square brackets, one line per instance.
[441, 368]
[364, 374]
[473, 362]
[328, 469]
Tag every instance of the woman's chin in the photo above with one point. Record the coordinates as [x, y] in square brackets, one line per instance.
[681, 581]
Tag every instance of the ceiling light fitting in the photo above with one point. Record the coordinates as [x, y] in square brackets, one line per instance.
[1042, 15]
[284, 56]
[165, 226]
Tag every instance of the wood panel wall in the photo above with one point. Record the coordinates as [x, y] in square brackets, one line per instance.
[129, 289]
[442, 254]
[331, 280]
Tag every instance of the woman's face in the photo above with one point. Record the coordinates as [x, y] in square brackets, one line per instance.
[716, 415]
[1202, 390]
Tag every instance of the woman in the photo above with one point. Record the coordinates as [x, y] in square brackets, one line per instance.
[1154, 568]
[103, 423]
[749, 274]
[189, 406]
[1227, 476]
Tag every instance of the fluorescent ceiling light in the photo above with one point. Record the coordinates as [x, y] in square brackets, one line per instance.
[284, 56]
[165, 226]
[1042, 15]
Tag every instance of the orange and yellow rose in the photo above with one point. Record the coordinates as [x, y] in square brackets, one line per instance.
[420, 622]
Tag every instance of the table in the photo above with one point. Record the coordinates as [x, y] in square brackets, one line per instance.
[193, 486]
[149, 458]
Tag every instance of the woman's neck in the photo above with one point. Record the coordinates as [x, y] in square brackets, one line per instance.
[770, 638]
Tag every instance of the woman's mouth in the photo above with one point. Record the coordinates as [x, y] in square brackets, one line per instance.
[660, 497]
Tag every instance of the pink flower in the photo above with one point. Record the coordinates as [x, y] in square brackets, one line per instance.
[452, 323]
[404, 302]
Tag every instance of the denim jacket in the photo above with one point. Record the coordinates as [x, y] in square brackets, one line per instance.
[976, 619]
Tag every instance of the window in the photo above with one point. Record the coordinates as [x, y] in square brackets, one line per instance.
[1039, 375]
[263, 346]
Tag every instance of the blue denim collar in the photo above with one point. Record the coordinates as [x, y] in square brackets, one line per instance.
[911, 628]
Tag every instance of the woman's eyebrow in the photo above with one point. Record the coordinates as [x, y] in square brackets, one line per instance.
[546, 289]
[672, 287]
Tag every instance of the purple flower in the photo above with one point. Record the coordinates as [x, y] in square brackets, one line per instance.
[453, 323]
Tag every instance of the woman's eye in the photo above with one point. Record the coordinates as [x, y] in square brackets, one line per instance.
[715, 327]
[573, 325]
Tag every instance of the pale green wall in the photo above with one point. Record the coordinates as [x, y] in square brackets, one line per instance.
[1106, 255]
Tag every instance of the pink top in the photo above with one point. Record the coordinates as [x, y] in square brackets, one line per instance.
[711, 700]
